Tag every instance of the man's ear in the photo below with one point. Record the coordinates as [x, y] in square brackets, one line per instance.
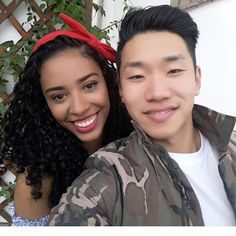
[198, 75]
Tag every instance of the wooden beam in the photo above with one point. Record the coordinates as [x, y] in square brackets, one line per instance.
[4, 213]
[1, 49]
[7, 11]
[6, 98]
[37, 9]
[17, 25]
[6, 216]
[89, 9]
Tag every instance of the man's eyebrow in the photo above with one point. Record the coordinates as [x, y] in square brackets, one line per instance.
[79, 81]
[133, 64]
[173, 58]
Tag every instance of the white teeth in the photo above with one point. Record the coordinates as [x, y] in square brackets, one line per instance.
[86, 123]
[162, 112]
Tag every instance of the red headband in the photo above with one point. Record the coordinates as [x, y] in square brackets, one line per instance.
[79, 32]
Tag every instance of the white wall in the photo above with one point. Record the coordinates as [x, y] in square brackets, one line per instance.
[114, 11]
[216, 52]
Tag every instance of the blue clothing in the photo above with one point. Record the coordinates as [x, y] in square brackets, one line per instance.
[19, 221]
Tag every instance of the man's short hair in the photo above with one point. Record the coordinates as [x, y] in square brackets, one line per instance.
[158, 18]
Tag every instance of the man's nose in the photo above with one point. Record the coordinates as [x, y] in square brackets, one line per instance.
[157, 88]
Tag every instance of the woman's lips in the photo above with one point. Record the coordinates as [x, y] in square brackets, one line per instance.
[86, 125]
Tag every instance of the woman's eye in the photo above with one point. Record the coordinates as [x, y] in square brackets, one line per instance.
[136, 77]
[59, 97]
[90, 86]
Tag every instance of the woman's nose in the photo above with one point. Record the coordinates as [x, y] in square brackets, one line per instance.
[78, 105]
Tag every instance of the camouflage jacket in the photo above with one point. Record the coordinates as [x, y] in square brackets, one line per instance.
[135, 182]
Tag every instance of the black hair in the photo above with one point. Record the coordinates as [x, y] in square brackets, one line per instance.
[33, 140]
[158, 18]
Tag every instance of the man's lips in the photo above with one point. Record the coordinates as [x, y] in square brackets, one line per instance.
[160, 114]
[160, 110]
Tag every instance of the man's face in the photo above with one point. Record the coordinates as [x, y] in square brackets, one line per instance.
[158, 84]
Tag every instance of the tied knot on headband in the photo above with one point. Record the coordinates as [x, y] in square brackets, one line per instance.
[94, 43]
[78, 31]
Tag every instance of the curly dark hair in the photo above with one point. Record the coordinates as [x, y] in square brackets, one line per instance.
[33, 140]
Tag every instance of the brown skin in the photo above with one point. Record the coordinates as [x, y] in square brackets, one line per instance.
[76, 93]
[25, 205]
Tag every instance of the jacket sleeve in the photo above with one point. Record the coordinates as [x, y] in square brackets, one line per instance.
[88, 202]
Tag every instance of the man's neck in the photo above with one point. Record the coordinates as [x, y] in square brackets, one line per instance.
[188, 142]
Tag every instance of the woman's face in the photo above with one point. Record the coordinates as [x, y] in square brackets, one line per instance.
[76, 93]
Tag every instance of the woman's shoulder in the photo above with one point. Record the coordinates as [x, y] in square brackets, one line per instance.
[26, 209]
[19, 221]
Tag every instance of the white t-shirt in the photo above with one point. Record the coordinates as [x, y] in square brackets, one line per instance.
[201, 169]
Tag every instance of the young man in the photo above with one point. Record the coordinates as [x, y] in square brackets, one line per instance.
[179, 165]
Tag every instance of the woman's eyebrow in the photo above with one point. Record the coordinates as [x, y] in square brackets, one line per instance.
[80, 81]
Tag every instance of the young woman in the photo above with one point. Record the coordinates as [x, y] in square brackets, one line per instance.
[66, 106]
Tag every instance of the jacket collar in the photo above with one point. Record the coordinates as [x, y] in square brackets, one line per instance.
[215, 126]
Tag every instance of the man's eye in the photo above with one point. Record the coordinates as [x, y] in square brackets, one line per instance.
[174, 71]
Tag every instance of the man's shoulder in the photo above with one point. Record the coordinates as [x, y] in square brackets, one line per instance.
[108, 155]
[233, 136]
[113, 157]
[118, 145]
[232, 144]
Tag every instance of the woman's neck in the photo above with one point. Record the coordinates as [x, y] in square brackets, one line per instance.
[92, 146]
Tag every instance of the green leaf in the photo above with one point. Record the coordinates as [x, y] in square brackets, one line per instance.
[42, 6]
[7, 194]
[29, 18]
[2, 107]
[7, 44]
[95, 7]
[2, 87]
[102, 11]
[125, 8]
[59, 8]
